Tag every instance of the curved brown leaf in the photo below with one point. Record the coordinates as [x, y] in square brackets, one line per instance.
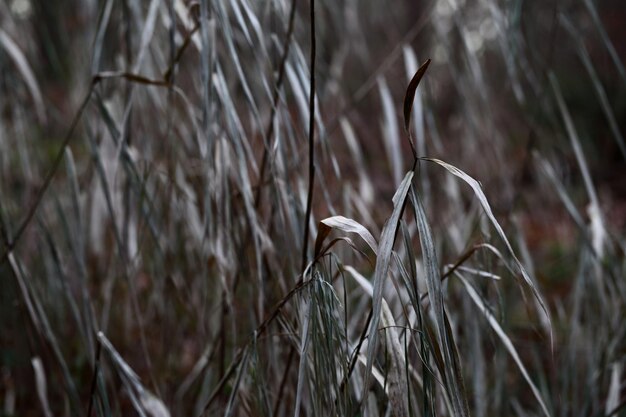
[410, 93]
[346, 225]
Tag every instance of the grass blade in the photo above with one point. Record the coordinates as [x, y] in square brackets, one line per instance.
[390, 132]
[40, 382]
[26, 72]
[387, 240]
[345, 225]
[505, 341]
[410, 93]
[452, 372]
[476, 187]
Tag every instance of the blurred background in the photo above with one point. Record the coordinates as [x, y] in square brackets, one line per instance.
[153, 187]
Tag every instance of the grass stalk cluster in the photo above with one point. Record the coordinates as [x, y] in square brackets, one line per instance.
[197, 220]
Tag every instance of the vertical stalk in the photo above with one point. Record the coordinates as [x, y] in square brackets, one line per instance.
[276, 95]
[307, 217]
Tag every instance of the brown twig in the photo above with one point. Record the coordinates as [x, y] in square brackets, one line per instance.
[309, 200]
[259, 330]
[167, 75]
[96, 370]
[10, 244]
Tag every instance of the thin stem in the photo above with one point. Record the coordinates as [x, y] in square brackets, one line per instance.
[283, 382]
[258, 332]
[96, 370]
[279, 82]
[10, 244]
[307, 217]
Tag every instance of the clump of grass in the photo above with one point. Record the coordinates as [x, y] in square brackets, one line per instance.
[232, 221]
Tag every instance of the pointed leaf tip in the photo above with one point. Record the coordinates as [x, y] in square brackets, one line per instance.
[410, 93]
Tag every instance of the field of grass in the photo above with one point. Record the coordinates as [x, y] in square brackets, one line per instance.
[312, 208]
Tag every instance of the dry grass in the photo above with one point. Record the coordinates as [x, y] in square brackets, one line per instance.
[224, 208]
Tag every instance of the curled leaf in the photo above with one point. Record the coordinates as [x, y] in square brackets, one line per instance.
[410, 93]
[346, 225]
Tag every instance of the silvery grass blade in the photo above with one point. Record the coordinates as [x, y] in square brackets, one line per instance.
[99, 37]
[453, 376]
[77, 243]
[146, 404]
[371, 407]
[146, 35]
[597, 226]
[391, 134]
[104, 403]
[411, 258]
[327, 363]
[597, 84]
[259, 381]
[412, 328]
[41, 386]
[588, 253]
[235, 128]
[337, 177]
[207, 64]
[188, 204]
[241, 147]
[508, 47]
[234, 56]
[456, 360]
[573, 136]
[437, 358]
[195, 372]
[255, 23]
[548, 171]
[387, 240]
[86, 322]
[235, 388]
[77, 236]
[298, 90]
[366, 188]
[506, 341]
[612, 401]
[360, 280]
[526, 258]
[108, 195]
[146, 205]
[379, 377]
[397, 382]
[19, 59]
[191, 111]
[479, 272]
[477, 188]
[605, 39]
[42, 325]
[411, 284]
[477, 81]
[129, 163]
[399, 362]
[302, 67]
[299, 82]
[62, 276]
[477, 368]
[304, 346]
[409, 279]
[234, 5]
[433, 130]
